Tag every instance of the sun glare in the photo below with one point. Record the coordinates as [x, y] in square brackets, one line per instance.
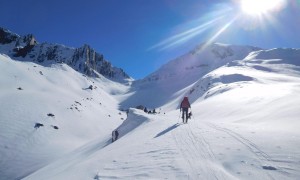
[258, 7]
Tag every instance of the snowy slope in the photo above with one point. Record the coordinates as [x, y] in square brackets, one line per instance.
[29, 92]
[245, 125]
[171, 79]
[245, 122]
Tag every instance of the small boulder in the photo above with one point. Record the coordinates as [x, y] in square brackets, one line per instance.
[38, 125]
[55, 127]
[50, 114]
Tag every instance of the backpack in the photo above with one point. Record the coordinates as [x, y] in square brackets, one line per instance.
[185, 103]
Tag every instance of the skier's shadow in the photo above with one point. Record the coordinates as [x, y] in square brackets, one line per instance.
[167, 130]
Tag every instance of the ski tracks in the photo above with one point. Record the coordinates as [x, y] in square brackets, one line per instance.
[250, 145]
[265, 160]
[197, 154]
[199, 149]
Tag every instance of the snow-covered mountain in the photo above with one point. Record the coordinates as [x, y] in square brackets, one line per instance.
[180, 73]
[201, 60]
[84, 59]
[47, 112]
[56, 122]
[245, 125]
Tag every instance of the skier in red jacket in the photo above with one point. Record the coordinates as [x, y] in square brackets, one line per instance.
[184, 107]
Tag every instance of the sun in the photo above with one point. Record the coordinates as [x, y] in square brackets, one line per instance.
[259, 7]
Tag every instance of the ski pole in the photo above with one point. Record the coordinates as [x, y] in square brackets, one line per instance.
[178, 117]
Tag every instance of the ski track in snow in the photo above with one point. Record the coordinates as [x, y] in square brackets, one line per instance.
[195, 150]
[196, 156]
[201, 162]
[263, 157]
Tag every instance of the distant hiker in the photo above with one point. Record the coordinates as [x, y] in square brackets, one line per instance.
[154, 112]
[146, 110]
[184, 107]
[127, 112]
[115, 135]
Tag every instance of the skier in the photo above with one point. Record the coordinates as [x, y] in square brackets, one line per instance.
[115, 135]
[184, 107]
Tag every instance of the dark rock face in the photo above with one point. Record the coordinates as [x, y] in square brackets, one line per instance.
[84, 59]
[23, 51]
[7, 37]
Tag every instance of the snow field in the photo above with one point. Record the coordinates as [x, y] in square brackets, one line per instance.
[245, 122]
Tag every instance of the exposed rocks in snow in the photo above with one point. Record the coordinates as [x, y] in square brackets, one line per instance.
[78, 103]
[54, 127]
[50, 114]
[90, 87]
[38, 125]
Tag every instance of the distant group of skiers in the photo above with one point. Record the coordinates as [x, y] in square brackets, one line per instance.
[149, 111]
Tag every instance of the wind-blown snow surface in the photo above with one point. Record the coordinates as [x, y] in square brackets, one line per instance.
[245, 125]
[81, 114]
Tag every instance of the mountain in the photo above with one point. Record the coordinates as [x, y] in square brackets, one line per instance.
[47, 112]
[267, 71]
[201, 60]
[180, 73]
[245, 125]
[84, 59]
[56, 122]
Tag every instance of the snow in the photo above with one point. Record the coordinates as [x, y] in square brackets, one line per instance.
[185, 71]
[61, 91]
[245, 122]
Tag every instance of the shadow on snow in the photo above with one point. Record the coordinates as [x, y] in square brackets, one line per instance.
[167, 130]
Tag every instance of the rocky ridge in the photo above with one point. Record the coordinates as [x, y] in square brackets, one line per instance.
[83, 59]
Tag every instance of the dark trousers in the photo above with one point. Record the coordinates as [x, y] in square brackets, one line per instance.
[185, 111]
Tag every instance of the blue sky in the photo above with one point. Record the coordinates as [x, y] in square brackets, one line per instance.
[141, 35]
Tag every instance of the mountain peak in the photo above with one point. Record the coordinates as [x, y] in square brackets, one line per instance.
[202, 59]
[83, 59]
[7, 36]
